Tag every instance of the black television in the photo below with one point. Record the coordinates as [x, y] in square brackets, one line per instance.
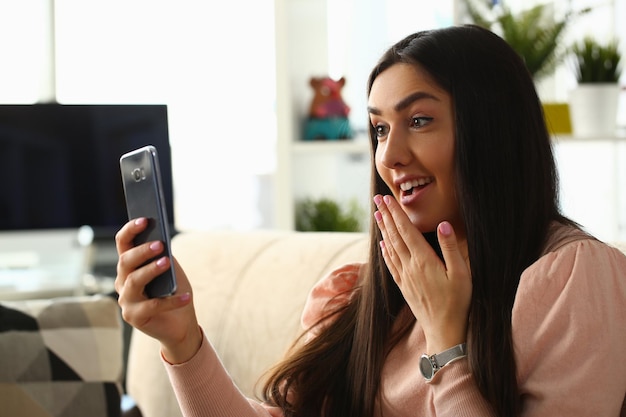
[59, 163]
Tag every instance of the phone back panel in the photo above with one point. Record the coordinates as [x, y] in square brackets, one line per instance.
[144, 198]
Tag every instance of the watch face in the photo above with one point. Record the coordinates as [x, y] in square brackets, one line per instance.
[426, 367]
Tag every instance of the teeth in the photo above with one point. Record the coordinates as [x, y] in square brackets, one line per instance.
[405, 186]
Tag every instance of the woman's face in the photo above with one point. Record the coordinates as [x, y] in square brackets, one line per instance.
[414, 123]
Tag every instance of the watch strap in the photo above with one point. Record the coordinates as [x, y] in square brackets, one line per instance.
[449, 355]
[430, 365]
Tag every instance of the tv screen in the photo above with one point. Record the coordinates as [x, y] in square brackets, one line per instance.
[59, 163]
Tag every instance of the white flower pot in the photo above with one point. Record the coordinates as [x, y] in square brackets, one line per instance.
[593, 109]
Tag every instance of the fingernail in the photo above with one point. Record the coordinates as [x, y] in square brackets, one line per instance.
[185, 297]
[386, 199]
[139, 221]
[382, 244]
[155, 246]
[377, 200]
[161, 262]
[445, 228]
[378, 216]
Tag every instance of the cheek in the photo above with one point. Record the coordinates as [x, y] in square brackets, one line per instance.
[449, 182]
[386, 175]
[441, 162]
[380, 167]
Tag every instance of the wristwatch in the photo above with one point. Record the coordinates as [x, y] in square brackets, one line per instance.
[430, 365]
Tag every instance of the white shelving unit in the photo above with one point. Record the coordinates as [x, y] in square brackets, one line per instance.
[592, 178]
[301, 28]
[339, 170]
[357, 146]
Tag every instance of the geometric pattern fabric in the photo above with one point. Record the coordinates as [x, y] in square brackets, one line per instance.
[61, 357]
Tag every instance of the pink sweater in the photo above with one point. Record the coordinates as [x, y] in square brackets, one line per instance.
[569, 331]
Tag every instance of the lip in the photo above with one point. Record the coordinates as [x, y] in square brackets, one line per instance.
[416, 195]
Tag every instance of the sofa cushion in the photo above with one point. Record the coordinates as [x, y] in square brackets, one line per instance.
[61, 357]
[249, 290]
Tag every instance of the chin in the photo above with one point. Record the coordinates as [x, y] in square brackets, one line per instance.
[423, 225]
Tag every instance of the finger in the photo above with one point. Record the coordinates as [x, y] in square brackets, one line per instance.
[139, 314]
[134, 282]
[137, 280]
[455, 263]
[391, 221]
[125, 236]
[386, 224]
[388, 256]
[380, 216]
[135, 257]
[391, 241]
[412, 240]
[407, 240]
[389, 261]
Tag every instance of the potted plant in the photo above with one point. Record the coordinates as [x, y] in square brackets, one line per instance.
[593, 103]
[533, 33]
[324, 214]
[536, 36]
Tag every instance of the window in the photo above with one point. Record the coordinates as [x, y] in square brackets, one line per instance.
[213, 66]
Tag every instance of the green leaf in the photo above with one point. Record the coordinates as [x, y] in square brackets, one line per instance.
[532, 33]
[326, 215]
[596, 63]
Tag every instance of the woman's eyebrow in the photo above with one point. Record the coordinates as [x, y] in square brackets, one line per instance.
[406, 102]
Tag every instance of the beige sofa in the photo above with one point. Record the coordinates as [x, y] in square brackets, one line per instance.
[249, 291]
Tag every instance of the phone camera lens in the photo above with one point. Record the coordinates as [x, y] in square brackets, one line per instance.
[138, 174]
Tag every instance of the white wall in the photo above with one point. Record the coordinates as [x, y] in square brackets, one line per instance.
[23, 50]
[593, 184]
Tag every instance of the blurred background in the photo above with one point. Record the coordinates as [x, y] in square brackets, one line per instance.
[234, 76]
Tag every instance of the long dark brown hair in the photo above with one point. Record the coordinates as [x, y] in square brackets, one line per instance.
[506, 184]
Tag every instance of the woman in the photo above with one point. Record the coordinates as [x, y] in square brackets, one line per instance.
[479, 299]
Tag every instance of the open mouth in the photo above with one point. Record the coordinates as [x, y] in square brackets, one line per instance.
[408, 187]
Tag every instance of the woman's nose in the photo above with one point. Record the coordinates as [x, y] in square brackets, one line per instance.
[395, 151]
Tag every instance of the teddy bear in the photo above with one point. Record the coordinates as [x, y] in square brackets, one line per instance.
[328, 113]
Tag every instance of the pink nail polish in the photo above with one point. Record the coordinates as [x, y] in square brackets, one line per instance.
[377, 200]
[445, 228]
[378, 216]
[161, 262]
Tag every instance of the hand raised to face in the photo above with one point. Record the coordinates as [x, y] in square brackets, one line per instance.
[437, 292]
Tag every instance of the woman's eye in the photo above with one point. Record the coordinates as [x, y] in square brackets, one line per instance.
[420, 121]
[381, 130]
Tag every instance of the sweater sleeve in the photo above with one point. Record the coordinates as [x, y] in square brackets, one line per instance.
[568, 331]
[204, 388]
[568, 325]
[329, 293]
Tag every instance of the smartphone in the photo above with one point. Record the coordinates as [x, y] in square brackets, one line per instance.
[143, 191]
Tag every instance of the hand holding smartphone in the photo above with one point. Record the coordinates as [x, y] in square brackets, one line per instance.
[141, 178]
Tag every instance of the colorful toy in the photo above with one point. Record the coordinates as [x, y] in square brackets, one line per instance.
[328, 113]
